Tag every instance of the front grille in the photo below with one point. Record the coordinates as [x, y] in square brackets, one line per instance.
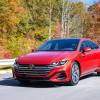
[35, 70]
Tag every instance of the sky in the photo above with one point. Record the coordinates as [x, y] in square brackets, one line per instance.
[89, 2]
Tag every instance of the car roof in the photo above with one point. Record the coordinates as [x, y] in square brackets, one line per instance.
[70, 39]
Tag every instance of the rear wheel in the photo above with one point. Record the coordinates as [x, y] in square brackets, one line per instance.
[75, 74]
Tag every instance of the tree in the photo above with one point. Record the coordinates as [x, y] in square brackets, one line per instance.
[93, 23]
[14, 22]
[73, 19]
[14, 18]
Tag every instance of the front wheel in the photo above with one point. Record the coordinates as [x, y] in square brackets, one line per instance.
[75, 74]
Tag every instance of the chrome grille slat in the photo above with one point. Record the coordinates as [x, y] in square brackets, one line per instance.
[32, 74]
[36, 70]
[37, 67]
[31, 71]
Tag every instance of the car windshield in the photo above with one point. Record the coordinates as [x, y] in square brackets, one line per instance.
[60, 45]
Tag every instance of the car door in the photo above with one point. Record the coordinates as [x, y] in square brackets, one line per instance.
[95, 54]
[86, 58]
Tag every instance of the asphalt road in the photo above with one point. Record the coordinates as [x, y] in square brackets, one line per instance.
[87, 89]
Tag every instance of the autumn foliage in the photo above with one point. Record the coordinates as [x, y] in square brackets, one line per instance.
[24, 24]
[93, 22]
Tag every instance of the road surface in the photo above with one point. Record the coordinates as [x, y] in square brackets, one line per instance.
[87, 89]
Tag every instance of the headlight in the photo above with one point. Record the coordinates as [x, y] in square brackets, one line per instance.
[60, 63]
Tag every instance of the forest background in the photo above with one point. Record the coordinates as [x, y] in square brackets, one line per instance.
[26, 24]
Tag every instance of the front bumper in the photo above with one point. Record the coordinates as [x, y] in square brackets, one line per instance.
[60, 74]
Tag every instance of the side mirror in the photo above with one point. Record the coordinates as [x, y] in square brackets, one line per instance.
[87, 49]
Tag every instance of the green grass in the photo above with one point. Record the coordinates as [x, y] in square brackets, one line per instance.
[5, 67]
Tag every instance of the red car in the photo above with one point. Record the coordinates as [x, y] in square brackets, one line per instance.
[62, 60]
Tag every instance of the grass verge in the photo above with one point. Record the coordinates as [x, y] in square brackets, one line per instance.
[5, 67]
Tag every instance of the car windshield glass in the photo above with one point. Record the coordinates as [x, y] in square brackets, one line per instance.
[60, 45]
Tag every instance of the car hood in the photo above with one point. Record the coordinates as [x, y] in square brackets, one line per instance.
[44, 57]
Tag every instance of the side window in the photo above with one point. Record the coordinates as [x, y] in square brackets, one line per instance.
[83, 45]
[93, 45]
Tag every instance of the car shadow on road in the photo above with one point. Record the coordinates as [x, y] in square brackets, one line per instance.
[11, 82]
[89, 76]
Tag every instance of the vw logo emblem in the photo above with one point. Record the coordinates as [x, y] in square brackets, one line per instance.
[32, 66]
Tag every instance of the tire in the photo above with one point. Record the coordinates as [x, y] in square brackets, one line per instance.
[75, 74]
[98, 73]
[24, 82]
